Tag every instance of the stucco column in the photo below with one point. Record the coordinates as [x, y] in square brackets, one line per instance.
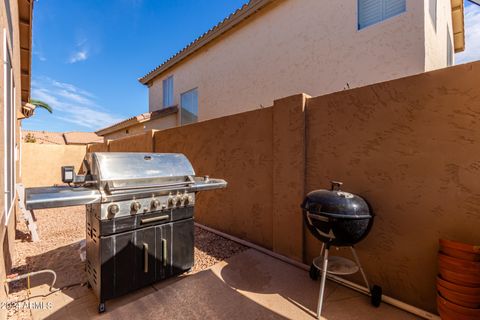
[288, 174]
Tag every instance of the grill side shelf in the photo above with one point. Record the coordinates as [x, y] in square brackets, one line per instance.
[56, 197]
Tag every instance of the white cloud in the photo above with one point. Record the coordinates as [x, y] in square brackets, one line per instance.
[72, 104]
[78, 56]
[472, 36]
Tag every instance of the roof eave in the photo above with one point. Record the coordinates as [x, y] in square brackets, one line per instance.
[118, 126]
[25, 26]
[458, 25]
[221, 28]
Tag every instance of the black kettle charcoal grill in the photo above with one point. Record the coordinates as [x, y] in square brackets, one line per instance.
[339, 219]
[139, 216]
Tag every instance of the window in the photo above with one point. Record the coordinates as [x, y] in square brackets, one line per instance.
[449, 48]
[433, 12]
[373, 11]
[168, 92]
[9, 130]
[189, 107]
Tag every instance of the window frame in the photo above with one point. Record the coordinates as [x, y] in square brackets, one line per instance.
[434, 14]
[167, 100]
[182, 108]
[450, 49]
[384, 18]
[9, 131]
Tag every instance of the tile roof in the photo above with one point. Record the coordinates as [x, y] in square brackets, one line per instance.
[62, 138]
[76, 137]
[137, 119]
[248, 9]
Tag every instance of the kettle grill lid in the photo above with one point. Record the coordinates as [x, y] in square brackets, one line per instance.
[336, 203]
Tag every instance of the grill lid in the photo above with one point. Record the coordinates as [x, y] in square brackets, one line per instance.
[122, 171]
[336, 203]
[131, 165]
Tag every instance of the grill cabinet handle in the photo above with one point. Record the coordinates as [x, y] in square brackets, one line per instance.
[145, 257]
[164, 252]
[159, 218]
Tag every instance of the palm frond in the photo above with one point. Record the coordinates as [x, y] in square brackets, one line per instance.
[41, 104]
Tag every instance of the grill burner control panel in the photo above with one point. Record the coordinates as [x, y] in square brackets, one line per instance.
[145, 205]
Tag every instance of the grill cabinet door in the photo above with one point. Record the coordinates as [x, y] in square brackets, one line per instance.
[118, 270]
[176, 247]
[145, 257]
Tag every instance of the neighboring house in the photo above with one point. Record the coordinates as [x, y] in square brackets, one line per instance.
[16, 38]
[270, 49]
[62, 138]
[159, 119]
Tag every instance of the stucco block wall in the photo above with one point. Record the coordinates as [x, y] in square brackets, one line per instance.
[138, 143]
[41, 163]
[239, 150]
[297, 46]
[410, 147]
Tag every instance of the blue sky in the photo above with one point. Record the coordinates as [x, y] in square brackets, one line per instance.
[88, 54]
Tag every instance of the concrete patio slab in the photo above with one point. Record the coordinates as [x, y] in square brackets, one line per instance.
[249, 285]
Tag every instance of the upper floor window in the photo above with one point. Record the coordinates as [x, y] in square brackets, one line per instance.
[449, 49]
[168, 92]
[189, 106]
[373, 11]
[433, 12]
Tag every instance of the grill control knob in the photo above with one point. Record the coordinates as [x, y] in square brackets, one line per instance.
[113, 209]
[171, 201]
[155, 204]
[135, 206]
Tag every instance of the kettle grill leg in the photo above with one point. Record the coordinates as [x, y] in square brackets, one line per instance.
[360, 266]
[323, 282]
[375, 291]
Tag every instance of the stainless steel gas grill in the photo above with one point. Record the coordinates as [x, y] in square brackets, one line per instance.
[139, 217]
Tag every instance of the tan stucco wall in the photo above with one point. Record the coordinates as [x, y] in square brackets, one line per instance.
[238, 149]
[166, 122]
[410, 147]
[137, 143]
[436, 38]
[297, 46]
[41, 163]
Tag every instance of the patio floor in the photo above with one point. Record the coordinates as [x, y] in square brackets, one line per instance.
[249, 285]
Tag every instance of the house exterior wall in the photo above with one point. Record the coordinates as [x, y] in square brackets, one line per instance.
[7, 221]
[169, 121]
[436, 36]
[297, 46]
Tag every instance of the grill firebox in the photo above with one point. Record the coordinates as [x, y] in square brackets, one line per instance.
[139, 217]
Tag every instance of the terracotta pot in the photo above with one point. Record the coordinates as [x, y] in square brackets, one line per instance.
[472, 291]
[450, 310]
[464, 300]
[459, 264]
[460, 278]
[460, 250]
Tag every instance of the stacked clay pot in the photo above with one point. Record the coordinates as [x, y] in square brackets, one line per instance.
[458, 282]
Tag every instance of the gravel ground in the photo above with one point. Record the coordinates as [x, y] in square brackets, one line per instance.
[61, 231]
